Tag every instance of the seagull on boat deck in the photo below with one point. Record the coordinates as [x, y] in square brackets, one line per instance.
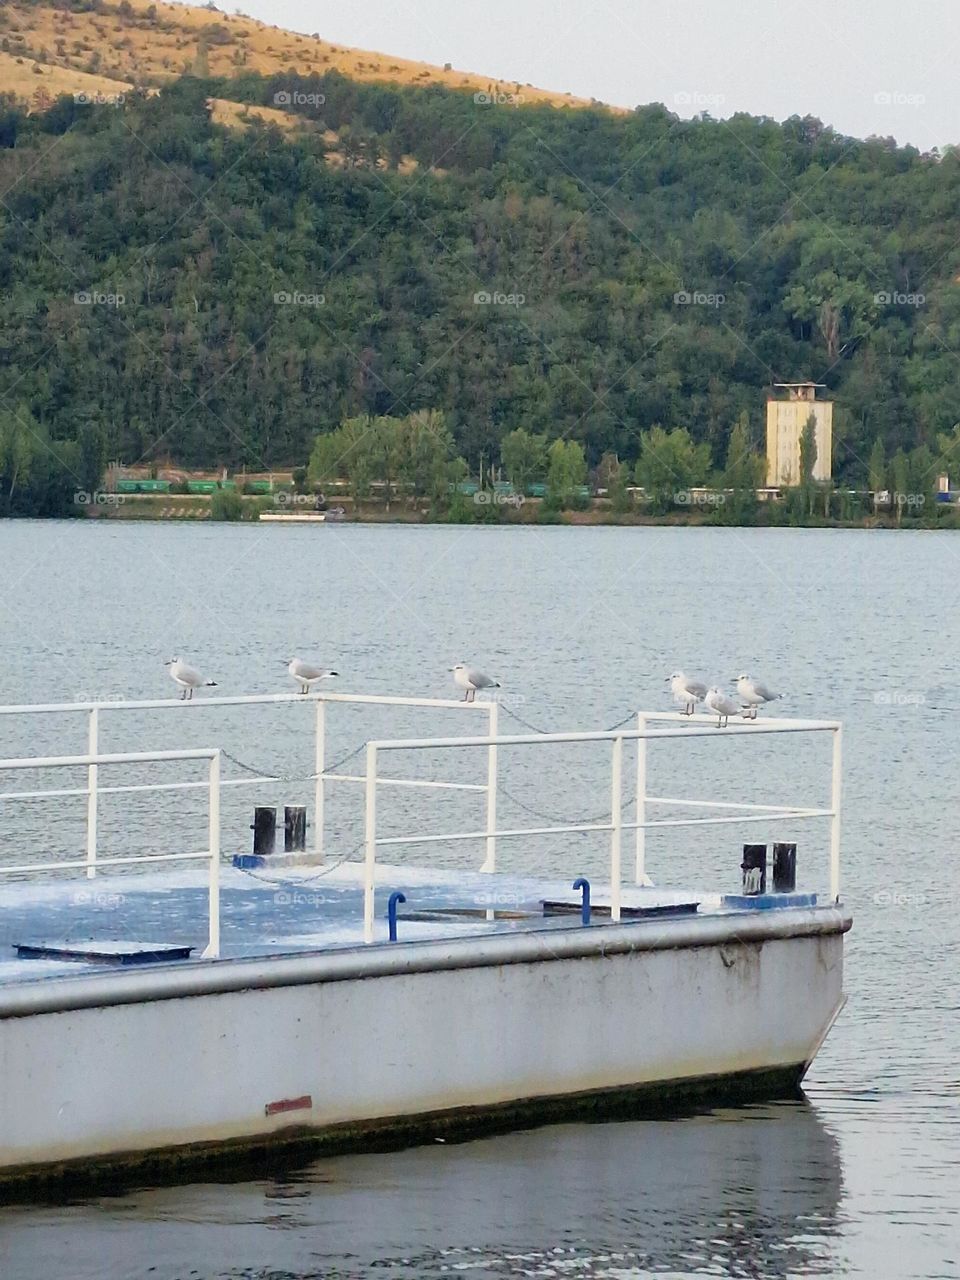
[470, 679]
[724, 706]
[753, 694]
[187, 678]
[686, 692]
[307, 674]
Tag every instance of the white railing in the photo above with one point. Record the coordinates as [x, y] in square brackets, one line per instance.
[211, 855]
[319, 775]
[642, 735]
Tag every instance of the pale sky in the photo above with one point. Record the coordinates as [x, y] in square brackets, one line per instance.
[887, 67]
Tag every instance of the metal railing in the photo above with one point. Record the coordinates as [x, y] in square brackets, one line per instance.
[642, 735]
[319, 775]
[211, 854]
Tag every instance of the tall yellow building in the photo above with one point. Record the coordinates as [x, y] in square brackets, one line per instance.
[786, 419]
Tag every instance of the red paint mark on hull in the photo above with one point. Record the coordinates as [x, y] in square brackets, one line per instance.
[289, 1104]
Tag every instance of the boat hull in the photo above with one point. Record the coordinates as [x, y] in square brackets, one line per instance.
[386, 1045]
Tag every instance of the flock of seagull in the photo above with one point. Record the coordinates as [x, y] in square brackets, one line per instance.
[687, 693]
[751, 695]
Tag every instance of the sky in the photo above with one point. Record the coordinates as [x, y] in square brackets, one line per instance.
[886, 67]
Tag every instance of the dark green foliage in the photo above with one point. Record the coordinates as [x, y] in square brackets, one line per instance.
[642, 270]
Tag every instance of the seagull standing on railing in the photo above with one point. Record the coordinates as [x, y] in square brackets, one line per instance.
[753, 694]
[686, 692]
[724, 707]
[470, 679]
[187, 678]
[307, 674]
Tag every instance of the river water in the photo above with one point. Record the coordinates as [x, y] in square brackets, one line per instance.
[581, 626]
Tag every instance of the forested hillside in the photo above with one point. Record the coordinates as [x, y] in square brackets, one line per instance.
[171, 288]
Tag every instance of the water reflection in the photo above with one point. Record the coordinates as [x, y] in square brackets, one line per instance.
[748, 1192]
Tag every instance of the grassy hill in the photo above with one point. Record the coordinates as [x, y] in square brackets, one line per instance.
[171, 288]
[95, 45]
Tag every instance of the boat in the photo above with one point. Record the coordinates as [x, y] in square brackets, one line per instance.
[176, 1008]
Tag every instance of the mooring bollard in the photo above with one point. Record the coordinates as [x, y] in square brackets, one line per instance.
[294, 829]
[582, 883]
[754, 869]
[392, 904]
[264, 831]
[784, 868]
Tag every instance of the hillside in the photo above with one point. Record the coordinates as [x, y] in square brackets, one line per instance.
[56, 47]
[173, 289]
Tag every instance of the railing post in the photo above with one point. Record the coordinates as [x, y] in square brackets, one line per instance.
[212, 951]
[318, 766]
[370, 839]
[490, 857]
[835, 820]
[640, 871]
[93, 736]
[616, 821]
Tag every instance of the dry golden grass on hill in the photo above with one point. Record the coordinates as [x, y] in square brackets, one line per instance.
[144, 43]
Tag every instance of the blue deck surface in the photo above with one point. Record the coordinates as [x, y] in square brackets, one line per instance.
[279, 911]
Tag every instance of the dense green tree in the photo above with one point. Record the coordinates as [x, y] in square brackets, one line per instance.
[669, 466]
[524, 458]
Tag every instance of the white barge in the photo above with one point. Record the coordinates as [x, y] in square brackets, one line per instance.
[332, 1002]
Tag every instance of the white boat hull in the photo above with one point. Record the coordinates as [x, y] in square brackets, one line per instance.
[397, 1042]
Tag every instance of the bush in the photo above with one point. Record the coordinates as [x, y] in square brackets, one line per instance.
[226, 504]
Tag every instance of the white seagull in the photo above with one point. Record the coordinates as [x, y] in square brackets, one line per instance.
[724, 707]
[470, 679]
[753, 694]
[187, 678]
[306, 674]
[686, 692]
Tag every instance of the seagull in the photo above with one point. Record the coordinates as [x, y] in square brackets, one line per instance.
[306, 674]
[187, 678]
[725, 707]
[686, 692]
[753, 694]
[470, 679]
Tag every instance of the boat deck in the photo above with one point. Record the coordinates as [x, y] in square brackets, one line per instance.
[269, 912]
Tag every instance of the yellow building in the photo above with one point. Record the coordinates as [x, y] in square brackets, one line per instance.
[786, 419]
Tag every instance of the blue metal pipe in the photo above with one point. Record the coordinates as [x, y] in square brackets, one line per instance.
[582, 883]
[394, 902]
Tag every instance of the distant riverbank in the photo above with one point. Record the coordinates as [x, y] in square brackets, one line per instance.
[192, 508]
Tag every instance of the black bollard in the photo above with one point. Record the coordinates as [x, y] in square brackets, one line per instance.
[294, 829]
[784, 868]
[754, 869]
[264, 831]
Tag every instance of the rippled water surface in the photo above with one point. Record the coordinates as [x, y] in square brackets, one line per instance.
[581, 625]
